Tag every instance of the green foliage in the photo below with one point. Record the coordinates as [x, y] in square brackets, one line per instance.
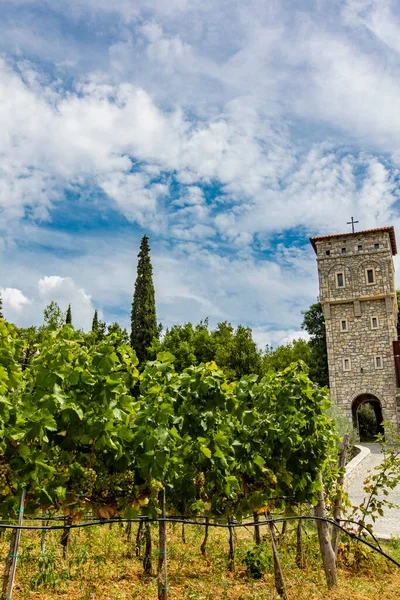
[77, 438]
[68, 316]
[257, 560]
[343, 426]
[1, 308]
[385, 477]
[314, 324]
[234, 351]
[285, 355]
[54, 318]
[74, 406]
[143, 316]
[367, 422]
[95, 322]
[190, 345]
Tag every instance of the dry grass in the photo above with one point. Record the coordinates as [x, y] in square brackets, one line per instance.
[101, 565]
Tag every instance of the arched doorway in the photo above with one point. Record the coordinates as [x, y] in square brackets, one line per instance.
[367, 416]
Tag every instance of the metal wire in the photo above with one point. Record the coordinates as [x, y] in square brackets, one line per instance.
[233, 524]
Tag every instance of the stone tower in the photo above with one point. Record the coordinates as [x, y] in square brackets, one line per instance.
[358, 296]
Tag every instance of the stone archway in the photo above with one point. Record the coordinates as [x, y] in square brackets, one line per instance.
[368, 423]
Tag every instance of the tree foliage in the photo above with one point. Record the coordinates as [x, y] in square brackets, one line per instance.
[314, 324]
[281, 357]
[68, 316]
[53, 316]
[75, 436]
[234, 351]
[143, 316]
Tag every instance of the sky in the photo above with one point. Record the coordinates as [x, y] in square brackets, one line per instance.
[228, 132]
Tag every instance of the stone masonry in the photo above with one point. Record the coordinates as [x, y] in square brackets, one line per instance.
[358, 295]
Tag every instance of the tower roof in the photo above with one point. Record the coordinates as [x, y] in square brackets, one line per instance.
[390, 231]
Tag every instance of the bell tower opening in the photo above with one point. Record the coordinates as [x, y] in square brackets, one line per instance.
[367, 417]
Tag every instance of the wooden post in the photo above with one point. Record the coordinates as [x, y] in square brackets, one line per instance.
[257, 535]
[128, 531]
[11, 564]
[138, 547]
[204, 542]
[327, 553]
[162, 553]
[64, 541]
[7, 569]
[337, 510]
[279, 581]
[183, 533]
[231, 557]
[147, 559]
[300, 562]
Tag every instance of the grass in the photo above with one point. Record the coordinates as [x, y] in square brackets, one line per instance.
[101, 565]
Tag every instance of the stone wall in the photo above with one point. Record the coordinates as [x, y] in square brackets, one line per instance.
[356, 303]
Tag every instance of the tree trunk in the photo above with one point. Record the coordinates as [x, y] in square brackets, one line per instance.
[279, 581]
[257, 534]
[183, 533]
[204, 542]
[128, 531]
[64, 541]
[162, 554]
[231, 557]
[300, 562]
[138, 547]
[11, 564]
[327, 553]
[147, 559]
[282, 537]
[337, 510]
[7, 569]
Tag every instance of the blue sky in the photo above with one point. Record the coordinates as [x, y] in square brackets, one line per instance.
[228, 132]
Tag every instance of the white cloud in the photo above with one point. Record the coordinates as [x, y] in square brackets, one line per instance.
[64, 291]
[13, 300]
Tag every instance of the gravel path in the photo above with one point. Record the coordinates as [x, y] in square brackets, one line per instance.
[389, 525]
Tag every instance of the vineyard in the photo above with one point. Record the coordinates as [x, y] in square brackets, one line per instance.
[85, 435]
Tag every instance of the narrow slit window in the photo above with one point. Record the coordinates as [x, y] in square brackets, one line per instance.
[376, 246]
[343, 250]
[378, 362]
[343, 325]
[370, 276]
[374, 323]
[327, 252]
[339, 280]
[346, 364]
[359, 247]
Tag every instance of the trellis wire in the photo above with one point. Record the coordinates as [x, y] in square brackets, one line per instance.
[233, 524]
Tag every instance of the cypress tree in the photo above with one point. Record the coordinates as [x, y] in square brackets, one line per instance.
[95, 322]
[68, 317]
[143, 315]
[1, 308]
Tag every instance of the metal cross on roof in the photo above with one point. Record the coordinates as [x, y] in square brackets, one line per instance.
[352, 223]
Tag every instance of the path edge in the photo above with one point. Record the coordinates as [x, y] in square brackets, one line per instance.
[357, 460]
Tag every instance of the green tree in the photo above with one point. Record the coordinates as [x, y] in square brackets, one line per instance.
[95, 322]
[143, 316]
[120, 335]
[190, 345]
[236, 352]
[285, 355]
[1, 308]
[54, 318]
[314, 324]
[68, 316]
